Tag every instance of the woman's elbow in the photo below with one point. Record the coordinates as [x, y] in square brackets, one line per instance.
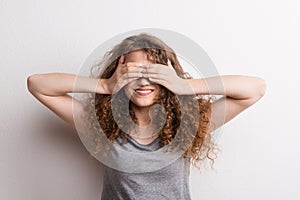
[260, 89]
[31, 82]
[262, 86]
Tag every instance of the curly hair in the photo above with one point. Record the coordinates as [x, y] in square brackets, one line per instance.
[195, 131]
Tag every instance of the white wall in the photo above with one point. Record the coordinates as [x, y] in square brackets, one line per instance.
[42, 158]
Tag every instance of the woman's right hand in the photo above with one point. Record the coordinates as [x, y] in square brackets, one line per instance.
[124, 74]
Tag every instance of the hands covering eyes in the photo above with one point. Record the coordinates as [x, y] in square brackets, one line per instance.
[164, 75]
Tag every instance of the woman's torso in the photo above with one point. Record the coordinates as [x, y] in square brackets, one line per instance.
[170, 182]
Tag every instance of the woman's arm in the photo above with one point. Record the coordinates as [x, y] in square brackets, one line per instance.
[238, 87]
[57, 84]
[52, 90]
[240, 92]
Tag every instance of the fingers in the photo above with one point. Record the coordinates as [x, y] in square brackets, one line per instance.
[125, 79]
[159, 81]
[128, 71]
[131, 67]
[154, 77]
[131, 71]
[161, 74]
[154, 69]
[133, 74]
[122, 59]
[169, 63]
[156, 72]
[144, 68]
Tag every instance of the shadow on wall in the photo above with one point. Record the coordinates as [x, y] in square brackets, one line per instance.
[61, 161]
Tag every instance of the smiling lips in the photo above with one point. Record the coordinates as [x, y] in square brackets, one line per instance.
[143, 91]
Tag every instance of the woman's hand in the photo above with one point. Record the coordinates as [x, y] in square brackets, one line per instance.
[166, 75]
[124, 74]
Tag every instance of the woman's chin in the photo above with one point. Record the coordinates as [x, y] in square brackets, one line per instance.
[142, 104]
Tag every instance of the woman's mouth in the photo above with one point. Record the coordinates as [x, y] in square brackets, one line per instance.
[143, 91]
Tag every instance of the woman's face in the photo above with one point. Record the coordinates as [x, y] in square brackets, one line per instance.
[141, 92]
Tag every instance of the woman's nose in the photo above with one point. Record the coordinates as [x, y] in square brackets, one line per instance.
[143, 81]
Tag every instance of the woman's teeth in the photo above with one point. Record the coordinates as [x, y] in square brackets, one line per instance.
[143, 92]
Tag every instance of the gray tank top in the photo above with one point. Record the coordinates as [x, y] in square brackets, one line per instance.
[170, 182]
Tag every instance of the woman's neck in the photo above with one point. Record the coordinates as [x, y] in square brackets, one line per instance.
[142, 115]
[145, 131]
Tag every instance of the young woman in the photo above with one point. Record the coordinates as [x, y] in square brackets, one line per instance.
[140, 72]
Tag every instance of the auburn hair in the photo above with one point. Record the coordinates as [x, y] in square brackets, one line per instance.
[194, 123]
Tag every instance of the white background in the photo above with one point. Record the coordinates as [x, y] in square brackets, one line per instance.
[42, 158]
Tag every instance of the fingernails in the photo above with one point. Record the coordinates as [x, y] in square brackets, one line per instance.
[121, 59]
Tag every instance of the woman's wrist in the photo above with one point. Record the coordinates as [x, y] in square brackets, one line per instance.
[103, 87]
[198, 86]
[190, 87]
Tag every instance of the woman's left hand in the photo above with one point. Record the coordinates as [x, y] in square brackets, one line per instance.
[166, 75]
